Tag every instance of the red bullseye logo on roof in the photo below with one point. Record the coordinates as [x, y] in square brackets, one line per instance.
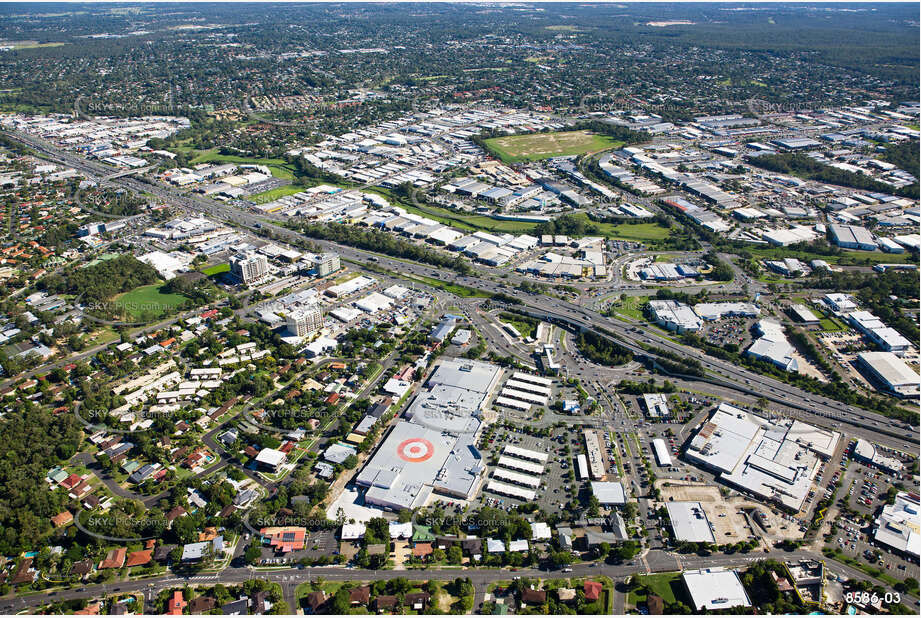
[415, 450]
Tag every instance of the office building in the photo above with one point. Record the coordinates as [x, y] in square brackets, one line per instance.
[326, 263]
[689, 522]
[434, 449]
[305, 321]
[249, 268]
[898, 525]
[675, 316]
[890, 373]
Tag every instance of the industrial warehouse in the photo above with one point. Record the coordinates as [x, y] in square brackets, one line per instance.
[773, 460]
[434, 450]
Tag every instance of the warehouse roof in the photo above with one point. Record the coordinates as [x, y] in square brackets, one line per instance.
[773, 459]
[609, 492]
[689, 522]
[890, 369]
[899, 524]
[715, 588]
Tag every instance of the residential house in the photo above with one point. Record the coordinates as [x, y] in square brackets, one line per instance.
[64, 518]
[417, 601]
[139, 558]
[315, 600]
[385, 602]
[592, 590]
[115, 559]
[529, 596]
[176, 604]
[360, 596]
[202, 604]
[240, 607]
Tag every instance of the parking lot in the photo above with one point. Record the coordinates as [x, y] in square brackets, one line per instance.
[734, 330]
[556, 489]
[543, 416]
[864, 490]
[853, 537]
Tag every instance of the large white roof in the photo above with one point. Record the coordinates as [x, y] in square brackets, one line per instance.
[689, 522]
[609, 492]
[775, 459]
[715, 588]
[270, 457]
[899, 524]
[524, 453]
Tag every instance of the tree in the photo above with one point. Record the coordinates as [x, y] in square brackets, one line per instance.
[627, 550]
[455, 555]
[340, 603]
[253, 553]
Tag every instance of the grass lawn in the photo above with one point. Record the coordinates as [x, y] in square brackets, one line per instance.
[106, 335]
[458, 290]
[216, 269]
[149, 302]
[666, 585]
[537, 146]
[634, 231]
[471, 223]
[34, 45]
[631, 307]
[831, 324]
[525, 329]
[767, 277]
[346, 277]
[274, 194]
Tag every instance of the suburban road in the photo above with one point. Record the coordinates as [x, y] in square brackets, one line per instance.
[289, 579]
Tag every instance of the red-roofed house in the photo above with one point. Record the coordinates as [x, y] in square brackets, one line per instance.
[139, 558]
[174, 514]
[71, 481]
[92, 609]
[115, 559]
[592, 590]
[81, 490]
[63, 518]
[422, 550]
[176, 604]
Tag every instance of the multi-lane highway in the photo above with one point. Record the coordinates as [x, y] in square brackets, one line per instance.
[637, 338]
[816, 409]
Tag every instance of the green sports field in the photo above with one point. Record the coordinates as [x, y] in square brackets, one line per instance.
[537, 146]
[217, 269]
[149, 302]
